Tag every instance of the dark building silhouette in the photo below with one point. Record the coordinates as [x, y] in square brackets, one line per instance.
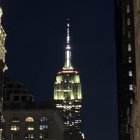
[23, 118]
[15, 91]
[31, 120]
[68, 95]
[126, 75]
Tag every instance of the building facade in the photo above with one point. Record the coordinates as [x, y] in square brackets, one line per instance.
[68, 93]
[126, 75]
[3, 66]
[22, 121]
[135, 121]
[14, 91]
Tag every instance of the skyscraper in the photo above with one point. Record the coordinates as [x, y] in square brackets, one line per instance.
[135, 120]
[126, 74]
[68, 92]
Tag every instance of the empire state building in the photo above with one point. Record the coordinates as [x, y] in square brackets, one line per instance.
[68, 93]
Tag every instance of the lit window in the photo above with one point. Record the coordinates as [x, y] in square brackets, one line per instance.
[30, 128]
[43, 127]
[29, 136]
[129, 47]
[15, 119]
[128, 21]
[130, 73]
[41, 136]
[2, 119]
[128, 8]
[29, 119]
[43, 119]
[129, 60]
[14, 127]
[131, 101]
[130, 87]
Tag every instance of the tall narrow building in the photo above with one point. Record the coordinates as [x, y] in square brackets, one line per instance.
[68, 92]
[126, 75]
[3, 66]
[135, 120]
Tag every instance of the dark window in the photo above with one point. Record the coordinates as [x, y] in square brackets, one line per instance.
[30, 98]
[24, 98]
[19, 86]
[10, 85]
[17, 91]
[5, 98]
[16, 98]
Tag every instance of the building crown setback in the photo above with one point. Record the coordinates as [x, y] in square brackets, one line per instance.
[67, 85]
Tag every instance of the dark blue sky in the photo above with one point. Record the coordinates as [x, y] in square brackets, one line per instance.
[36, 32]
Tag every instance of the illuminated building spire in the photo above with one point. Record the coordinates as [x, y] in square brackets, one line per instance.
[68, 65]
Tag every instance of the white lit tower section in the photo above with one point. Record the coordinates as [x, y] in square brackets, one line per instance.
[3, 67]
[67, 91]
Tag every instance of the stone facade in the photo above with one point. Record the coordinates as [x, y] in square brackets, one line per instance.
[31, 121]
[135, 121]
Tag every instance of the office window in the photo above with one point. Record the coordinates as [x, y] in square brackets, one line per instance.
[43, 119]
[128, 21]
[130, 73]
[130, 87]
[129, 47]
[129, 59]
[41, 136]
[29, 136]
[14, 127]
[128, 8]
[43, 127]
[29, 119]
[2, 119]
[30, 128]
[45, 135]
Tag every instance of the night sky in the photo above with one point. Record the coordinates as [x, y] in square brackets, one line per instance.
[36, 34]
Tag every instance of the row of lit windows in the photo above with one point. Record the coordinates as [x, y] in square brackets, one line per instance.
[28, 136]
[130, 73]
[31, 136]
[69, 106]
[28, 119]
[30, 128]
